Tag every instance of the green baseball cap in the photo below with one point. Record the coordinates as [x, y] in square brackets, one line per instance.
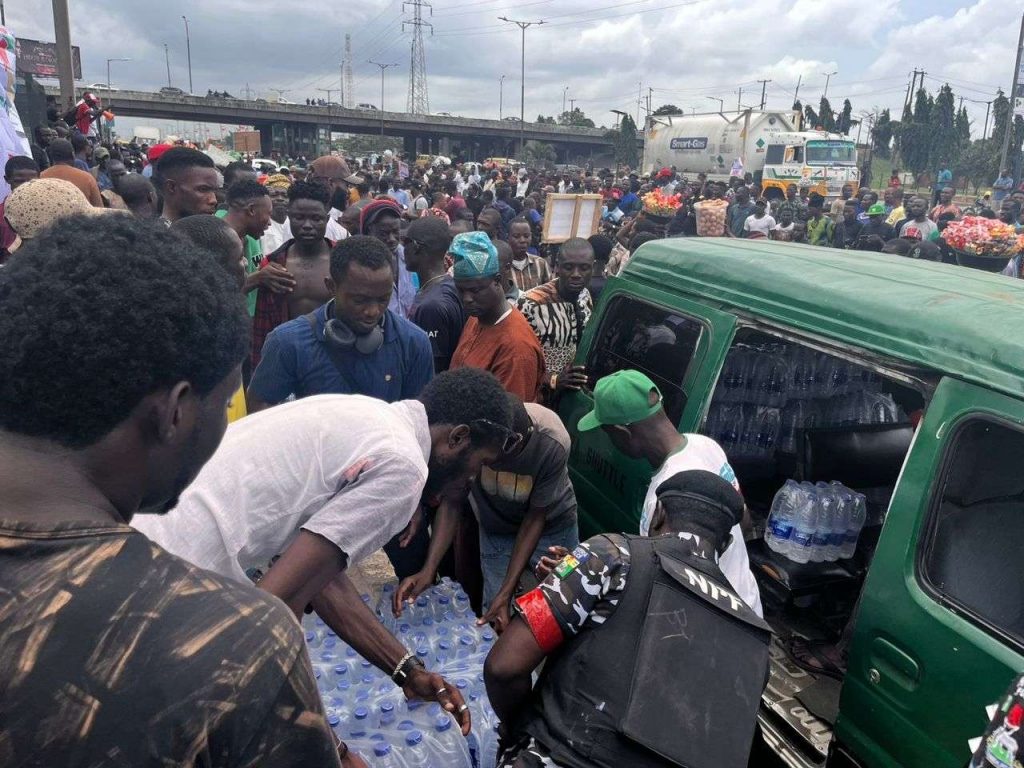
[621, 398]
[876, 210]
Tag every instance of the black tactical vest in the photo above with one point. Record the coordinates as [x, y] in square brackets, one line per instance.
[673, 677]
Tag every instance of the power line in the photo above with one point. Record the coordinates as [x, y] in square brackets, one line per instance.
[418, 102]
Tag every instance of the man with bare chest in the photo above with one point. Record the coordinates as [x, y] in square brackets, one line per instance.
[307, 260]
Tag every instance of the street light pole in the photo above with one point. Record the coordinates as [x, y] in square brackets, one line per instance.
[167, 58]
[382, 68]
[565, 92]
[828, 76]
[501, 93]
[188, 52]
[523, 26]
[721, 103]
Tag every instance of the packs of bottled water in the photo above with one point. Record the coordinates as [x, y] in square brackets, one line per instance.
[370, 713]
[815, 522]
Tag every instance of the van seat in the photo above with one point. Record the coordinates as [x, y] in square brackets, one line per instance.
[862, 456]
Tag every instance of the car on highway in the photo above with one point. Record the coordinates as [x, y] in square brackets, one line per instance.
[444, 114]
[512, 120]
[101, 87]
[171, 90]
[366, 106]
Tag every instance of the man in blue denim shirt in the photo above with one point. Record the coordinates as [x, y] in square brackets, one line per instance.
[353, 344]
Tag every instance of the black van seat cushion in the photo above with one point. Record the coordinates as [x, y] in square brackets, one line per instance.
[867, 456]
[977, 558]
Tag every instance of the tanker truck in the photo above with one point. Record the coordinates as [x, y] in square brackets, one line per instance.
[769, 145]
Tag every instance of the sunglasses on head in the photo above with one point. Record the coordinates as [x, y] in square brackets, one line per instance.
[510, 439]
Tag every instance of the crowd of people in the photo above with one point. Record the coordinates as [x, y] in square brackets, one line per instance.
[388, 344]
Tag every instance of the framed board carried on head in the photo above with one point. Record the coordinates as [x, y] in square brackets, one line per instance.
[568, 216]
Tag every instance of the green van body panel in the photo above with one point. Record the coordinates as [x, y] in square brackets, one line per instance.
[920, 672]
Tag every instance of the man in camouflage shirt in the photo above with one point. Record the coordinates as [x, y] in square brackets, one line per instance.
[794, 203]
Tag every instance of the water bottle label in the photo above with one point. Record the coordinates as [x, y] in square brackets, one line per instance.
[802, 538]
[821, 538]
[781, 529]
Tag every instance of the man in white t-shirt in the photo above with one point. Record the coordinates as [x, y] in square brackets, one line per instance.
[759, 223]
[628, 408]
[298, 493]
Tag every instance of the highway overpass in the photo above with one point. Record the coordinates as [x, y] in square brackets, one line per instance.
[296, 129]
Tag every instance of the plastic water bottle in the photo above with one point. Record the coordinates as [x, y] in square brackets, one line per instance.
[386, 715]
[805, 521]
[416, 752]
[824, 502]
[384, 757]
[448, 746]
[778, 534]
[803, 366]
[842, 522]
[831, 525]
[858, 514]
[768, 425]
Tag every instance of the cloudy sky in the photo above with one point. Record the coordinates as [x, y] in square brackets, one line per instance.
[686, 50]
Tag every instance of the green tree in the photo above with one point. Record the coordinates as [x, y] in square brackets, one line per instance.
[845, 118]
[963, 130]
[667, 109]
[826, 117]
[978, 163]
[944, 144]
[882, 133]
[624, 140]
[810, 118]
[545, 120]
[575, 118]
[538, 153]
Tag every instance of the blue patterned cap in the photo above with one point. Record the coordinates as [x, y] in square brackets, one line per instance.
[475, 256]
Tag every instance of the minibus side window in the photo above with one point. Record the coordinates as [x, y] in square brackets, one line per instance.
[657, 341]
[973, 557]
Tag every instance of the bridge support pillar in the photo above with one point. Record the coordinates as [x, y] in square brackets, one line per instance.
[409, 147]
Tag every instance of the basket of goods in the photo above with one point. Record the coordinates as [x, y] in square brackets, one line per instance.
[982, 243]
[711, 217]
[659, 207]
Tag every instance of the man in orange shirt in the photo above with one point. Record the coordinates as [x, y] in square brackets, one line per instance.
[496, 337]
[62, 159]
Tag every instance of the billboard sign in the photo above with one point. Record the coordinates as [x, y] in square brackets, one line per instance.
[40, 59]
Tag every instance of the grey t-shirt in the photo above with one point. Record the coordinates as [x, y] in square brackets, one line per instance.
[537, 477]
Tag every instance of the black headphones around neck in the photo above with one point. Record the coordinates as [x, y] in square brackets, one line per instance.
[339, 336]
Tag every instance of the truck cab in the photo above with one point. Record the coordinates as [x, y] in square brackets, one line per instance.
[824, 162]
[891, 376]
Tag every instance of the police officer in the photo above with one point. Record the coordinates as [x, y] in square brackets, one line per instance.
[652, 658]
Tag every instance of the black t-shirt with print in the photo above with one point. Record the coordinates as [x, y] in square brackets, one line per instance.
[115, 653]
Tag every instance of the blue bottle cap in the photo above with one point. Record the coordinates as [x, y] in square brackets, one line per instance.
[442, 723]
[320, 622]
[333, 721]
[465, 640]
[350, 652]
[406, 725]
[488, 635]
[365, 598]
[421, 602]
[460, 684]
[403, 628]
[330, 642]
[424, 652]
[428, 622]
[387, 706]
[381, 749]
[378, 737]
[310, 636]
[444, 645]
[443, 600]
[357, 733]
[365, 664]
[412, 738]
[341, 669]
[367, 680]
[327, 657]
[388, 588]
[343, 685]
[361, 713]
[316, 673]
[412, 706]
[448, 616]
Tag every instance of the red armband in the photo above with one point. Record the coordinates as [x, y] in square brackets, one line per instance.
[541, 620]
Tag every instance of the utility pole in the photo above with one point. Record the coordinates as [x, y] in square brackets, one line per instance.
[418, 103]
[248, 93]
[764, 87]
[167, 59]
[501, 94]
[1013, 93]
[828, 76]
[382, 68]
[565, 92]
[650, 95]
[348, 91]
[721, 103]
[796, 93]
[572, 105]
[988, 107]
[739, 99]
[65, 68]
[639, 90]
[188, 52]
[523, 26]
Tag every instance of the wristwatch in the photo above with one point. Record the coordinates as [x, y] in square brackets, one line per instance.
[405, 668]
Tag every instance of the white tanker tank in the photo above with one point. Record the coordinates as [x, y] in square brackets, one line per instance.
[768, 144]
